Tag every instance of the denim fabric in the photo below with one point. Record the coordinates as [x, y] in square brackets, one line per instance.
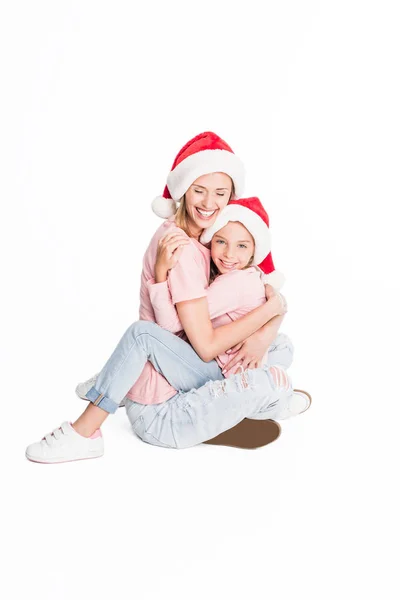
[206, 403]
[190, 418]
[169, 354]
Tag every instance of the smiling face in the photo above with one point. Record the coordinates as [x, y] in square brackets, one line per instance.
[232, 247]
[204, 200]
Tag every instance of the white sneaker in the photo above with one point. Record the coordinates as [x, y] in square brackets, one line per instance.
[297, 404]
[82, 389]
[64, 444]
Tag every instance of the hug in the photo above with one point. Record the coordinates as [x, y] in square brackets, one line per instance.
[205, 362]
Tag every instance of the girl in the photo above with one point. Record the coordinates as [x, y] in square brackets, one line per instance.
[204, 176]
[240, 238]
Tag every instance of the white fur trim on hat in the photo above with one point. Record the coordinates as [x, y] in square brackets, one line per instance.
[276, 279]
[201, 163]
[163, 207]
[251, 220]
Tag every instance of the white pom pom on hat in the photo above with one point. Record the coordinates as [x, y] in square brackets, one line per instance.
[251, 213]
[164, 207]
[203, 154]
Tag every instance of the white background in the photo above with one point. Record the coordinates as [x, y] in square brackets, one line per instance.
[96, 100]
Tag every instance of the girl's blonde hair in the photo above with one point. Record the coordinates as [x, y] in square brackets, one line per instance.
[181, 214]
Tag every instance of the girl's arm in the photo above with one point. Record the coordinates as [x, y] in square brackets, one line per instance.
[169, 251]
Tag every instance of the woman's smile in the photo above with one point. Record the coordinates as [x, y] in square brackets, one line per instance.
[204, 200]
[206, 215]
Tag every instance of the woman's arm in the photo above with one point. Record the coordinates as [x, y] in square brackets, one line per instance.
[209, 342]
[270, 330]
[164, 309]
[226, 294]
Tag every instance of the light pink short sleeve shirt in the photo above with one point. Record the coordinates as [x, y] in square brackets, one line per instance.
[187, 280]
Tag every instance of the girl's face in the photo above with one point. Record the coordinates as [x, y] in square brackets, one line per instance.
[204, 200]
[232, 247]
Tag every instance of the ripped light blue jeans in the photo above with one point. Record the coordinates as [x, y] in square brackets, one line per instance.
[206, 403]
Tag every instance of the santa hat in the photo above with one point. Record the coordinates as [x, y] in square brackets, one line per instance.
[251, 213]
[205, 153]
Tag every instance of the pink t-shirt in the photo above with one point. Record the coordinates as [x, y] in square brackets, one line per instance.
[187, 280]
[230, 296]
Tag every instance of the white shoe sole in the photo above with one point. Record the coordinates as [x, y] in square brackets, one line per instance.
[290, 412]
[65, 444]
[96, 454]
[309, 398]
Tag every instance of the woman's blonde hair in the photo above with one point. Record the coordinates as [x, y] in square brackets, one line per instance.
[181, 216]
[181, 219]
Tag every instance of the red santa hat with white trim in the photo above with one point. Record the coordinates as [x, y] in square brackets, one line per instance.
[205, 153]
[251, 213]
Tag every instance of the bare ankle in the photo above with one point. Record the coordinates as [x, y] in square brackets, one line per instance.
[82, 430]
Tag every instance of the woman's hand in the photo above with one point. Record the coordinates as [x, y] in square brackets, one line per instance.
[169, 250]
[276, 300]
[270, 291]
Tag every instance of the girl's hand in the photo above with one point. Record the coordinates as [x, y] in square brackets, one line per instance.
[269, 291]
[247, 354]
[250, 353]
[169, 250]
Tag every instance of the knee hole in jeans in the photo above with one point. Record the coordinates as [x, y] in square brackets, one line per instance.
[280, 377]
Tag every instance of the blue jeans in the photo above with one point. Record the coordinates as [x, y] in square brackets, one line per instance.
[206, 403]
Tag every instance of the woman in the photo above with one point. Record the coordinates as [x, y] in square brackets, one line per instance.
[205, 174]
